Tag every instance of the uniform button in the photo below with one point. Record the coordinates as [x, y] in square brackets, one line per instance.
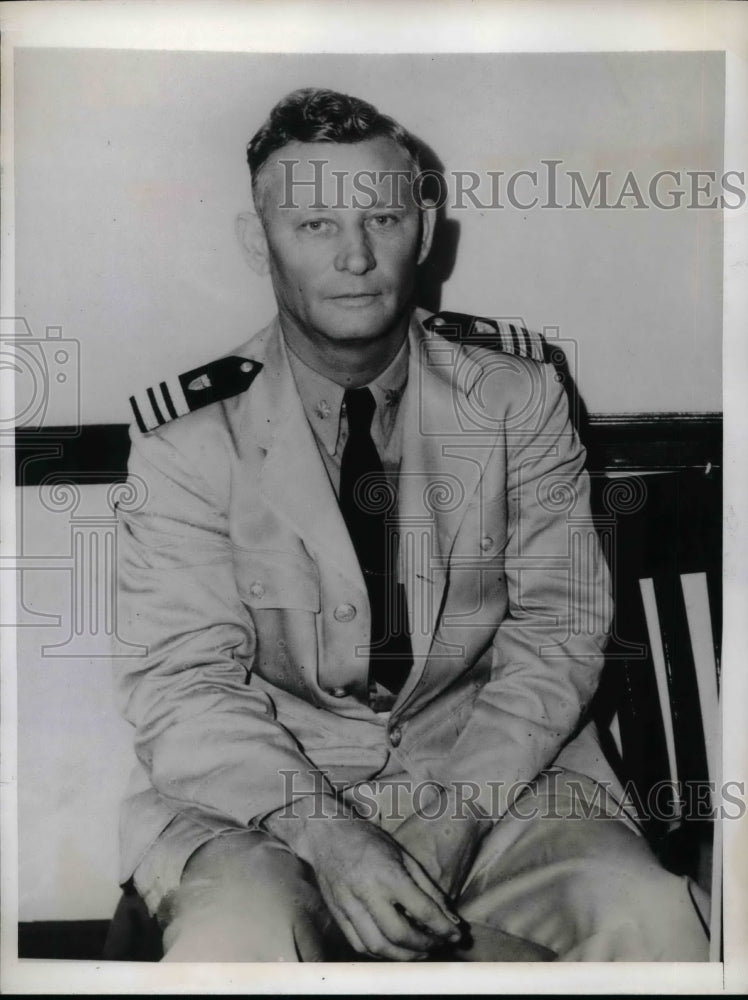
[344, 613]
[486, 542]
[257, 589]
[396, 735]
[338, 692]
[246, 366]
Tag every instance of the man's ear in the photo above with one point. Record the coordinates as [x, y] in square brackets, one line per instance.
[251, 235]
[428, 222]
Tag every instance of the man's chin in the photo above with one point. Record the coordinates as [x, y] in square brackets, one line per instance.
[342, 321]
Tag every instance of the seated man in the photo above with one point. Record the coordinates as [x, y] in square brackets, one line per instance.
[374, 607]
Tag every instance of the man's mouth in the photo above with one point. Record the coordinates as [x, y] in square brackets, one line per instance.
[356, 300]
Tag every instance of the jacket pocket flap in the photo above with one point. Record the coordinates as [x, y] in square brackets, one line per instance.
[273, 579]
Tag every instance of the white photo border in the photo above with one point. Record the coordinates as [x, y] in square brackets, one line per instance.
[386, 26]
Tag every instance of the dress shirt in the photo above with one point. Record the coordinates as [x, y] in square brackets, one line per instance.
[322, 400]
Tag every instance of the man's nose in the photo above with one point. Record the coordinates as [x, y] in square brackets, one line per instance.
[355, 253]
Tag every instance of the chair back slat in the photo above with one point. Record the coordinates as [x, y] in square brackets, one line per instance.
[657, 652]
[696, 597]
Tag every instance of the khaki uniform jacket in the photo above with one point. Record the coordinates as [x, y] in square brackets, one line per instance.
[239, 577]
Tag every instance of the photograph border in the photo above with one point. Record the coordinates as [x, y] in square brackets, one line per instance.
[508, 26]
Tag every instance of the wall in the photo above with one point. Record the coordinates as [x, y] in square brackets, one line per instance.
[74, 752]
[130, 172]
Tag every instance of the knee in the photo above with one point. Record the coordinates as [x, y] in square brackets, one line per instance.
[644, 915]
[245, 900]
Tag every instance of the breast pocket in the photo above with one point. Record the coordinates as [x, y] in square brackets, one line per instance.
[282, 594]
[268, 579]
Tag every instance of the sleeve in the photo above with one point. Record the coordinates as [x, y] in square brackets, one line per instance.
[206, 736]
[548, 650]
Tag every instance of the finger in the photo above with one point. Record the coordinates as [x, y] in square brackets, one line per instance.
[376, 943]
[427, 903]
[352, 935]
[338, 908]
[362, 932]
[392, 920]
[424, 882]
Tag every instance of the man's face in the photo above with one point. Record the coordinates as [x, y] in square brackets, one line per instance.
[342, 270]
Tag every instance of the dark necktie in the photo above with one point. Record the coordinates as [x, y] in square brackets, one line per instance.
[366, 500]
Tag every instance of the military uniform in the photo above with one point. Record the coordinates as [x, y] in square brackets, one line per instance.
[240, 577]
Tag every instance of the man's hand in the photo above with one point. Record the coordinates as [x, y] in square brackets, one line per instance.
[380, 897]
[445, 845]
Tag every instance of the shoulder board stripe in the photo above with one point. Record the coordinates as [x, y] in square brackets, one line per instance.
[505, 335]
[173, 388]
[182, 394]
[149, 416]
[508, 336]
[157, 401]
[526, 341]
[154, 406]
[167, 399]
[515, 339]
[138, 416]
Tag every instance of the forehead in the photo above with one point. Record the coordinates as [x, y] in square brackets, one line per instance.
[307, 174]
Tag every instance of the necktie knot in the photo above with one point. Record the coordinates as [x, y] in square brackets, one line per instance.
[359, 408]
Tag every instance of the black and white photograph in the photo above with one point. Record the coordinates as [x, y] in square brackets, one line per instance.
[373, 568]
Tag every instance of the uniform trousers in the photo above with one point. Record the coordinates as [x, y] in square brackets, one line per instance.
[562, 877]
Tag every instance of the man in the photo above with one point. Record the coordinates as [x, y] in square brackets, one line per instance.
[355, 576]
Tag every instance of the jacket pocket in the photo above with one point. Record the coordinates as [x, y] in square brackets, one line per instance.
[267, 578]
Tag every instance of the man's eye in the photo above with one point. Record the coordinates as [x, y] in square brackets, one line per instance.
[316, 226]
[383, 221]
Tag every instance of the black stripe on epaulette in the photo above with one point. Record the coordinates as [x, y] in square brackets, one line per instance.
[465, 329]
[168, 400]
[138, 416]
[515, 339]
[154, 404]
[212, 383]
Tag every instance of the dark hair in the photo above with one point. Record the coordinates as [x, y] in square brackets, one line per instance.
[316, 115]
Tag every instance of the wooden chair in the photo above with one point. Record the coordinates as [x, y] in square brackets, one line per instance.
[660, 693]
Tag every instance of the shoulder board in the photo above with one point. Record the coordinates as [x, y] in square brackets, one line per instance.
[182, 394]
[509, 336]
